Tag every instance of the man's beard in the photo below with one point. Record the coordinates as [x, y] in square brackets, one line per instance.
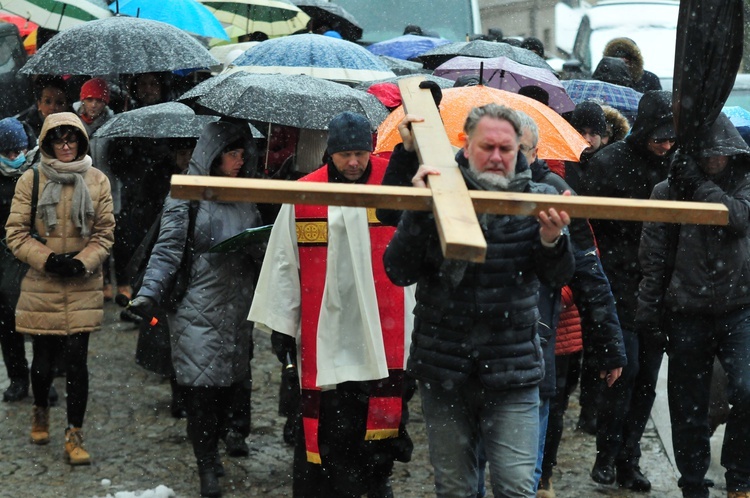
[490, 181]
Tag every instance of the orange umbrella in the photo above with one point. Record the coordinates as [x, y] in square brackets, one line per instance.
[557, 139]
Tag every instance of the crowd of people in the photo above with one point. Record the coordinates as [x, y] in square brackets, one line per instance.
[364, 310]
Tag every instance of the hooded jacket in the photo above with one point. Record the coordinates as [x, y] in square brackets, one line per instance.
[627, 169]
[50, 304]
[485, 322]
[210, 335]
[712, 265]
[613, 70]
[626, 48]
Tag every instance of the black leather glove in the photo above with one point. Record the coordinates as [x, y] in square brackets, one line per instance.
[685, 175]
[437, 93]
[64, 265]
[653, 337]
[143, 306]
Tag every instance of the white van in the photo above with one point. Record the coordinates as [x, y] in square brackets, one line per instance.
[652, 24]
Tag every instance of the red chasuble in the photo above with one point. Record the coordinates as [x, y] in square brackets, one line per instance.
[384, 408]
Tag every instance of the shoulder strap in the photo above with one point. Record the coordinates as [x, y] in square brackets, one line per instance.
[34, 197]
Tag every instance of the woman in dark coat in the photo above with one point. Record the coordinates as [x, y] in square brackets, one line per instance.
[210, 335]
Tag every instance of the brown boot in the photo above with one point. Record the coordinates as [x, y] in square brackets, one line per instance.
[545, 489]
[738, 494]
[74, 452]
[40, 425]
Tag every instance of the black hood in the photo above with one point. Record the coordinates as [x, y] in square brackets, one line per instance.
[654, 110]
[722, 139]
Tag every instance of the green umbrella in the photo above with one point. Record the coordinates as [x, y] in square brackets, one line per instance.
[57, 15]
[272, 17]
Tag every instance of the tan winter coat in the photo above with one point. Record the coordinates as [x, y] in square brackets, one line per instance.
[50, 304]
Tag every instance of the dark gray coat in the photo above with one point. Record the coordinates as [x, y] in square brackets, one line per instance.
[210, 335]
[477, 319]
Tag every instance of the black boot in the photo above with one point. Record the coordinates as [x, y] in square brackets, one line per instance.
[209, 483]
[236, 445]
[631, 477]
[18, 390]
[53, 396]
[604, 469]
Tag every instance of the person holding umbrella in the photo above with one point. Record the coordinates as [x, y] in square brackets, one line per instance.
[211, 339]
[61, 299]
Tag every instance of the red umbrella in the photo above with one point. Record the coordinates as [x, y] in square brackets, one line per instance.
[24, 25]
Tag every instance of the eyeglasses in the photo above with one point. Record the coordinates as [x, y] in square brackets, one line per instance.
[526, 148]
[660, 141]
[59, 144]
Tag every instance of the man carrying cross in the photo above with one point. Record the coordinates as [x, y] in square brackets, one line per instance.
[475, 350]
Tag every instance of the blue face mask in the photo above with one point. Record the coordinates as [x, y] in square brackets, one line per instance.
[15, 163]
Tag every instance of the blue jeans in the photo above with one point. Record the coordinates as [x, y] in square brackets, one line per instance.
[506, 421]
[694, 341]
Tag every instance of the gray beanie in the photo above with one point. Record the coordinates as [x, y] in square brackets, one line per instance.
[349, 131]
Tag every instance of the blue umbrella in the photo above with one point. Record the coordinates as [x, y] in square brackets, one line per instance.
[740, 118]
[314, 55]
[188, 15]
[406, 46]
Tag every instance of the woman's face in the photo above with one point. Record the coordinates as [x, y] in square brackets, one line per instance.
[51, 101]
[231, 162]
[148, 91]
[66, 148]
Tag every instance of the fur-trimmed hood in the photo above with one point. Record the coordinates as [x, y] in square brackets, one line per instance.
[625, 48]
[616, 121]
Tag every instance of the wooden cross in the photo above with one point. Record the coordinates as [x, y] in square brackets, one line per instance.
[454, 206]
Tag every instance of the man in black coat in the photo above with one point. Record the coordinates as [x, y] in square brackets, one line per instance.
[629, 169]
[698, 298]
[475, 349]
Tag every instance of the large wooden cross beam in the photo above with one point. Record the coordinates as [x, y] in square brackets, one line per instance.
[454, 206]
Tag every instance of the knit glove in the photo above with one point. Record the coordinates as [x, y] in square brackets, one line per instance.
[686, 175]
[64, 265]
[437, 93]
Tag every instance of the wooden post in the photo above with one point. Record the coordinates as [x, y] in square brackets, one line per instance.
[461, 236]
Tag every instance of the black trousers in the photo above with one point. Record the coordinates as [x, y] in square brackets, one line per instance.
[74, 348]
[12, 344]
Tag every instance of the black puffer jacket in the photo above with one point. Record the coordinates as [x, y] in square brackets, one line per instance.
[486, 323]
[712, 265]
[592, 293]
[627, 169]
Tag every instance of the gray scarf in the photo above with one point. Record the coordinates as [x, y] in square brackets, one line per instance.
[455, 269]
[58, 174]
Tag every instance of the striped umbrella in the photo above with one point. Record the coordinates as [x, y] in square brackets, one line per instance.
[272, 17]
[57, 15]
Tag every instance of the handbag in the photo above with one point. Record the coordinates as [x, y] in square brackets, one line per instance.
[136, 268]
[12, 269]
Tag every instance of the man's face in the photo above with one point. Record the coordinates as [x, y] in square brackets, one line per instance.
[351, 163]
[52, 101]
[148, 90]
[593, 138]
[493, 147]
[92, 107]
[714, 165]
[528, 148]
[659, 146]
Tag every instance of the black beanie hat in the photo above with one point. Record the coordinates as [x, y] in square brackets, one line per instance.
[589, 115]
[349, 131]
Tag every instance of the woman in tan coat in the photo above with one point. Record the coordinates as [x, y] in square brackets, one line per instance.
[61, 296]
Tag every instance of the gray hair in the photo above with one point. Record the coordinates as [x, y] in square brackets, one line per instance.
[494, 111]
[529, 124]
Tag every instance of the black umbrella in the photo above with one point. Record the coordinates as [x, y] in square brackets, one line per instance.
[707, 57]
[334, 15]
[299, 100]
[119, 45]
[402, 67]
[481, 48]
[442, 82]
[168, 120]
